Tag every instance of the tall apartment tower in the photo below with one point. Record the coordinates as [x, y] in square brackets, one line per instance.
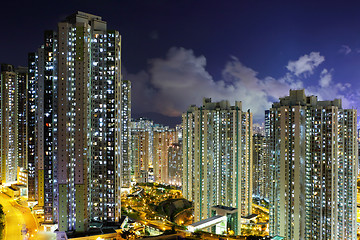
[175, 159]
[141, 154]
[125, 136]
[163, 138]
[175, 164]
[13, 121]
[260, 167]
[217, 158]
[22, 109]
[313, 168]
[32, 100]
[42, 126]
[74, 123]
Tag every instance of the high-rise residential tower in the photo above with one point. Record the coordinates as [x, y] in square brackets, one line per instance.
[8, 124]
[141, 154]
[149, 145]
[313, 167]
[175, 164]
[125, 136]
[175, 159]
[22, 109]
[163, 138]
[13, 121]
[32, 97]
[42, 127]
[260, 167]
[217, 158]
[75, 111]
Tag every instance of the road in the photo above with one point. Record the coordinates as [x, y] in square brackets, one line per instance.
[16, 218]
[261, 208]
[104, 236]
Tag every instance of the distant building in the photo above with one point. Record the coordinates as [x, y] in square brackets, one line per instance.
[125, 133]
[22, 109]
[163, 138]
[149, 144]
[217, 159]
[13, 117]
[141, 150]
[32, 125]
[179, 131]
[175, 164]
[313, 168]
[258, 129]
[260, 167]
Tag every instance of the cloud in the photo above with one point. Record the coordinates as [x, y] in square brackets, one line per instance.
[325, 78]
[141, 90]
[305, 64]
[344, 49]
[171, 84]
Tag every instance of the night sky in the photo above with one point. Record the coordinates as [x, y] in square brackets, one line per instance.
[176, 52]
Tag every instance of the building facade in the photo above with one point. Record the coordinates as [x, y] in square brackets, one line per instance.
[42, 126]
[31, 127]
[141, 150]
[125, 136]
[260, 167]
[313, 168]
[13, 121]
[217, 158]
[175, 164]
[74, 123]
[163, 138]
[22, 109]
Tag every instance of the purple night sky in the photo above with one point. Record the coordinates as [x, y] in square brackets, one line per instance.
[177, 52]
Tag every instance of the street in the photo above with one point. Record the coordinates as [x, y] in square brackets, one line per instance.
[17, 219]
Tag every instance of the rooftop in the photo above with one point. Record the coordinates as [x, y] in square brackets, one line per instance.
[208, 220]
[298, 98]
